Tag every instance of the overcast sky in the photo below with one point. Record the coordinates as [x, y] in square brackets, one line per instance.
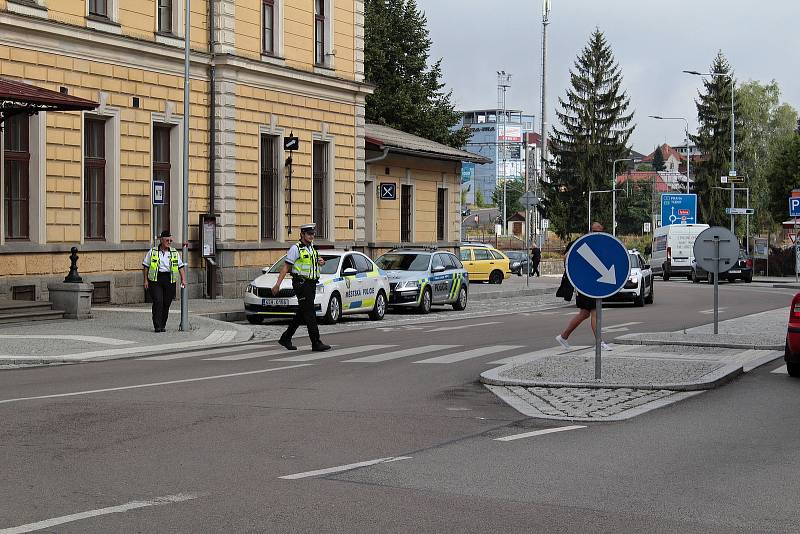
[652, 42]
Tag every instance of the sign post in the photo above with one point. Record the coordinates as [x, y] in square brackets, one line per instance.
[794, 211]
[716, 250]
[291, 144]
[597, 266]
[530, 200]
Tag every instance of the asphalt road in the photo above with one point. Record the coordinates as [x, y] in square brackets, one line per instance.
[199, 443]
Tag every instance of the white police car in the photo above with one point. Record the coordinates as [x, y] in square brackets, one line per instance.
[639, 285]
[419, 278]
[349, 283]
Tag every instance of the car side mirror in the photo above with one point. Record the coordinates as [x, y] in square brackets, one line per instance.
[349, 272]
[265, 270]
[437, 269]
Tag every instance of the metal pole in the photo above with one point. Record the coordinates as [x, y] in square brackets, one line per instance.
[688, 157]
[598, 339]
[733, 151]
[545, 22]
[590, 212]
[186, 115]
[747, 224]
[716, 285]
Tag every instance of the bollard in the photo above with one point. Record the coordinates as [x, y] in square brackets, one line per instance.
[73, 277]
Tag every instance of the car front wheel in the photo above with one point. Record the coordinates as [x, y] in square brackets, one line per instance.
[651, 296]
[379, 310]
[461, 302]
[425, 301]
[496, 277]
[334, 312]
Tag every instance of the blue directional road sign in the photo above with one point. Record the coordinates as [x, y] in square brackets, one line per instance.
[678, 209]
[794, 206]
[598, 265]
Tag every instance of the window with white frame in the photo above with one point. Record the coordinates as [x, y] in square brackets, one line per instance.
[100, 8]
[94, 178]
[323, 33]
[270, 179]
[319, 188]
[165, 16]
[16, 177]
[268, 26]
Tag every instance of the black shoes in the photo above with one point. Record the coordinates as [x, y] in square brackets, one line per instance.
[320, 347]
[159, 330]
[287, 344]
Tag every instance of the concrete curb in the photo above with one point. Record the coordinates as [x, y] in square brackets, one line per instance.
[526, 409]
[710, 380]
[639, 339]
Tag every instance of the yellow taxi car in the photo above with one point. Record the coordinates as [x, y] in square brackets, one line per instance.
[485, 263]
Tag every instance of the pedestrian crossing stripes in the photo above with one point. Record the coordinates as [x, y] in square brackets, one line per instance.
[468, 354]
[780, 370]
[251, 355]
[332, 353]
[190, 354]
[623, 327]
[404, 353]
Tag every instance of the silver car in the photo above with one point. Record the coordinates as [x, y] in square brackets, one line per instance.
[420, 278]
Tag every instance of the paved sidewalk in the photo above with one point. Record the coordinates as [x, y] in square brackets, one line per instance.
[654, 370]
[111, 333]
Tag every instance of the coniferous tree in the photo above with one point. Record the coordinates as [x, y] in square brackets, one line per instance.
[594, 131]
[408, 95]
[713, 139]
[658, 160]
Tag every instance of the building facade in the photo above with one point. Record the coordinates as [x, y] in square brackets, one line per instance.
[413, 191]
[501, 142]
[260, 70]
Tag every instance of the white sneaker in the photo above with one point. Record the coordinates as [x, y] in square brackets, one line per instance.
[606, 346]
[563, 342]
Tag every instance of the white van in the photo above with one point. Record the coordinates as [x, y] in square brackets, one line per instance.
[673, 247]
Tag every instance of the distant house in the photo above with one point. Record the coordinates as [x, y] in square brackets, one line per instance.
[638, 177]
[672, 158]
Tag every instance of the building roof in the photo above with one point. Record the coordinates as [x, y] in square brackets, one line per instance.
[399, 142]
[16, 97]
[645, 176]
[666, 151]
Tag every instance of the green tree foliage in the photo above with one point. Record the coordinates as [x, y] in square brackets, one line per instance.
[766, 125]
[634, 207]
[514, 190]
[658, 160]
[783, 175]
[408, 93]
[713, 139]
[594, 131]
[479, 200]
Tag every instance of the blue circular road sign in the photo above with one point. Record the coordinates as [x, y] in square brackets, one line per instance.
[598, 265]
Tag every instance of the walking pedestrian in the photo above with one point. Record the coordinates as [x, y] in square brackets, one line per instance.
[303, 262]
[536, 258]
[161, 266]
[586, 308]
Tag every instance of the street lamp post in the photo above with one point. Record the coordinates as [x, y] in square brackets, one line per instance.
[186, 114]
[733, 127]
[614, 195]
[688, 152]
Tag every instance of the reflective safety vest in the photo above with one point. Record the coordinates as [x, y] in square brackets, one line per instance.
[152, 274]
[307, 264]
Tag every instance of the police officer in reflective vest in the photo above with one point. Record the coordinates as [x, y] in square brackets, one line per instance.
[303, 262]
[161, 266]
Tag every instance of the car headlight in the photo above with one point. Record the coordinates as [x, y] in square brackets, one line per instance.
[634, 279]
[250, 288]
[408, 284]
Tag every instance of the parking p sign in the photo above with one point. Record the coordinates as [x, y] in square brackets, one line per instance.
[794, 206]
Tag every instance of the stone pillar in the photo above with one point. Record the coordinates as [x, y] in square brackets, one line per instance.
[75, 299]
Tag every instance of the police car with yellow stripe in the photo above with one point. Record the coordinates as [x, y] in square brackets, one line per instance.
[420, 278]
[349, 283]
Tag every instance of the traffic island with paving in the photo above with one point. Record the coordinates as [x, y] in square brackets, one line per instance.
[650, 371]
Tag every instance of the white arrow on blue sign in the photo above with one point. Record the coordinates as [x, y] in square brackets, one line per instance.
[598, 265]
[794, 206]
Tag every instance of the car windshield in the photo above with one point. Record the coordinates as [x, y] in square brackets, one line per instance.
[330, 267]
[634, 260]
[404, 262]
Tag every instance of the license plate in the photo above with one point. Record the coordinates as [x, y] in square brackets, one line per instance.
[274, 302]
[735, 271]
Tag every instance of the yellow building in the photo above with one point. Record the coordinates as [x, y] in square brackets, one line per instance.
[260, 70]
[413, 191]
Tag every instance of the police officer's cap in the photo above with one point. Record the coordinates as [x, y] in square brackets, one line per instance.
[309, 228]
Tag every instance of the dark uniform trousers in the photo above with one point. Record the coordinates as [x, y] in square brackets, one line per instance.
[162, 293]
[305, 290]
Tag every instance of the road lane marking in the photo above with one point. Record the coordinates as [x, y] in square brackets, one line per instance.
[540, 432]
[709, 312]
[251, 355]
[467, 354]
[621, 327]
[154, 384]
[445, 328]
[339, 469]
[332, 353]
[401, 353]
[133, 505]
[205, 352]
[782, 370]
